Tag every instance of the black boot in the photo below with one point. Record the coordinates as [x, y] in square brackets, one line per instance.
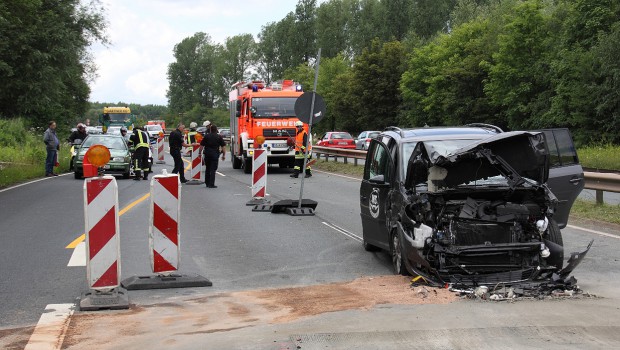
[295, 174]
[138, 175]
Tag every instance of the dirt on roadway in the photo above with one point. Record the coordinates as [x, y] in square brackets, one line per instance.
[166, 323]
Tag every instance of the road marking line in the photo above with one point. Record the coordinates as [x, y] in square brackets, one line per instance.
[346, 177]
[593, 231]
[31, 182]
[52, 327]
[78, 258]
[80, 239]
[217, 172]
[343, 231]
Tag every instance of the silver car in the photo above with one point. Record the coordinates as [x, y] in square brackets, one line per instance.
[363, 139]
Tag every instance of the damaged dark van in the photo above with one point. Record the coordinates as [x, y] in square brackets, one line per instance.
[471, 204]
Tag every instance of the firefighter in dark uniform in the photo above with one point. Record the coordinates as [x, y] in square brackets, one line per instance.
[177, 141]
[140, 143]
[301, 142]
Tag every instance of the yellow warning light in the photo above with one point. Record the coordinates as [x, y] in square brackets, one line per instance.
[98, 155]
[259, 140]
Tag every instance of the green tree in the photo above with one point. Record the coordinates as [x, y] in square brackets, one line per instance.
[331, 24]
[44, 62]
[192, 77]
[234, 61]
[519, 77]
[305, 30]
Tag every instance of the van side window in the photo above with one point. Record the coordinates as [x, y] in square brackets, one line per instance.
[379, 162]
[561, 148]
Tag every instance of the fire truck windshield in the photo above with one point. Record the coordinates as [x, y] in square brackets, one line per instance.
[270, 107]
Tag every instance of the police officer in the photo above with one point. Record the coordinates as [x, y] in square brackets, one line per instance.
[140, 142]
[176, 141]
[79, 134]
[301, 143]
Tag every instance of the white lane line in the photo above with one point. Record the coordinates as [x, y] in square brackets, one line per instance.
[217, 172]
[78, 257]
[346, 177]
[52, 327]
[593, 231]
[31, 182]
[343, 231]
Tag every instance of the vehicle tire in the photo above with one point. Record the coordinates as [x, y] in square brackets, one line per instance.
[398, 262]
[77, 175]
[369, 247]
[247, 165]
[236, 162]
[555, 236]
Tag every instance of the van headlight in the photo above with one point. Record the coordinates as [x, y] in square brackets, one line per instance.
[81, 157]
[118, 159]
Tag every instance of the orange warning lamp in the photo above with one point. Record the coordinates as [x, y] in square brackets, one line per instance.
[259, 140]
[161, 134]
[198, 137]
[98, 155]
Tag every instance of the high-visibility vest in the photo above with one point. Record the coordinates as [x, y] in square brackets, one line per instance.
[191, 136]
[142, 142]
[299, 142]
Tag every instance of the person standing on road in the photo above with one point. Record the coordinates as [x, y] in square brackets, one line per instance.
[211, 146]
[79, 134]
[52, 145]
[176, 142]
[301, 142]
[140, 142]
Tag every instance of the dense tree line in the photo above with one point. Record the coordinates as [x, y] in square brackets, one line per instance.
[44, 63]
[519, 64]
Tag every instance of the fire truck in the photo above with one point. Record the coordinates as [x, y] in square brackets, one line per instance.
[257, 109]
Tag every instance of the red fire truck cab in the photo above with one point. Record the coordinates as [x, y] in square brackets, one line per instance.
[257, 109]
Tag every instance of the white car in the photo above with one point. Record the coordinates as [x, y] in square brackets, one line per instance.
[153, 130]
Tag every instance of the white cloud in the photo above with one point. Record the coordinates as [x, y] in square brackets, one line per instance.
[143, 34]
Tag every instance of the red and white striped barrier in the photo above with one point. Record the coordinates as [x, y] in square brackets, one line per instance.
[103, 256]
[259, 173]
[164, 223]
[196, 170]
[160, 150]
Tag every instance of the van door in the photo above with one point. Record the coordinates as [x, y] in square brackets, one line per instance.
[566, 178]
[374, 190]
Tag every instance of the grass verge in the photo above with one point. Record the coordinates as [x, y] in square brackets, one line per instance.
[583, 209]
[600, 157]
[22, 154]
[340, 168]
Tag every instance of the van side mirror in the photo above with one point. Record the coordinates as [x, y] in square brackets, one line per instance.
[238, 109]
[379, 179]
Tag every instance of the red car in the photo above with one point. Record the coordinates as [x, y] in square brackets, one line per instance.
[337, 139]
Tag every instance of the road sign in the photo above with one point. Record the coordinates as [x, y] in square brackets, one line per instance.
[303, 104]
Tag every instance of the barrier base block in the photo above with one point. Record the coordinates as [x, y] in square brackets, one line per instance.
[114, 299]
[300, 211]
[160, 162]
[194, 182]
[283, 205]
[257, 201]
[164, 282]
[263, 207]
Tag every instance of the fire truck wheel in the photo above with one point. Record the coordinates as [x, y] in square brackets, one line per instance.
[236, 162]
[247, 165]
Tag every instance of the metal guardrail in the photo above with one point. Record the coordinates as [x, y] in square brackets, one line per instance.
[338, 152]
[600, 182]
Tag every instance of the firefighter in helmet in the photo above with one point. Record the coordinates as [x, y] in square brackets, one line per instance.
[301, 143]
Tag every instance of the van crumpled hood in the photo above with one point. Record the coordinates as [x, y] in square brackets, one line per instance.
[515, 155]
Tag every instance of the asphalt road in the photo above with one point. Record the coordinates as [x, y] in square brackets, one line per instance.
[237, 249]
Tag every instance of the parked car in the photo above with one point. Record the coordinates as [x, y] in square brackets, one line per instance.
[363, 139]
[470, 205]
[114, 130]
[120, 159]
[153, 130]
[337, 139]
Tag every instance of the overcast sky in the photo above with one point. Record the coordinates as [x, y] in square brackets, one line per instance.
[143, 34]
